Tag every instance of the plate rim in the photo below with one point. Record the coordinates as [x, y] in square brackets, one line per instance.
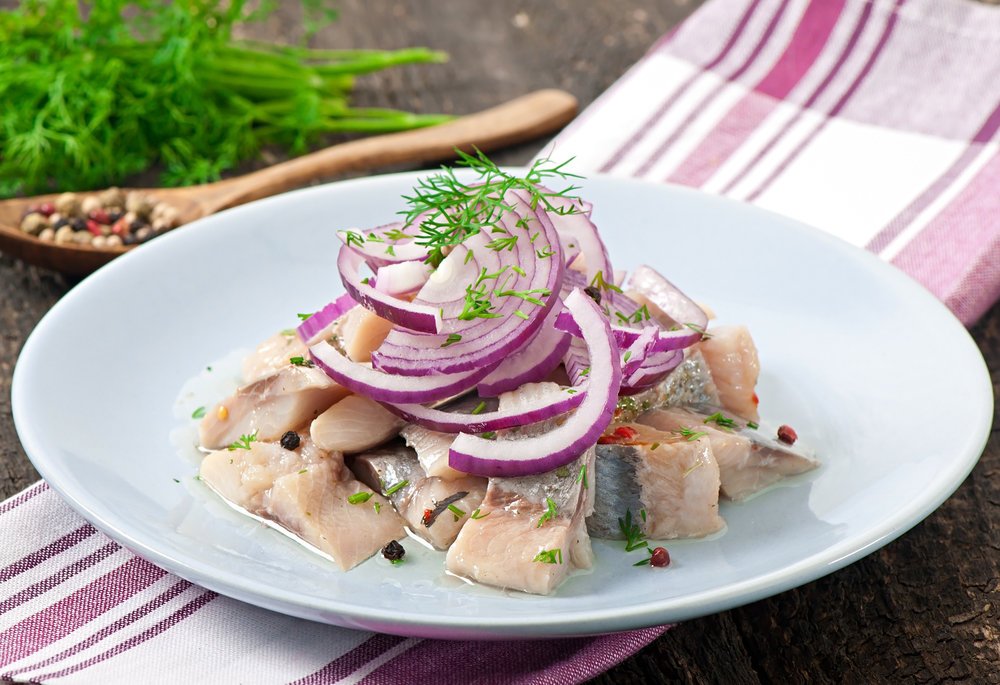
[585, 621]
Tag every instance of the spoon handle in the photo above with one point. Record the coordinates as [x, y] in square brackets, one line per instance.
[515, 121]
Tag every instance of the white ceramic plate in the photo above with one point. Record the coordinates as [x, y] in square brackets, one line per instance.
[868, 367]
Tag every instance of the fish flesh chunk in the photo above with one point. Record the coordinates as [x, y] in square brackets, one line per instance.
[666, 483]
[286, 400]
[242, 476]
[355, 424]
[316, 506]
[432, 450]
[732, 358]
[531, 530]
[360, 332]
[422, 500]
[749, 461]
[273, 354]
[688, 384]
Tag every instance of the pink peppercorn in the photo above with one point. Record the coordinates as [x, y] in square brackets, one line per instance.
[660, 557]
[46, 209]
[787, 435]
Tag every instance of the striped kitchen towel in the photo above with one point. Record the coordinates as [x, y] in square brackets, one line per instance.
[875, 120]
[77, 608]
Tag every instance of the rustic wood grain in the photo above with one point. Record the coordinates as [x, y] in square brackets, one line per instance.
[923, 609]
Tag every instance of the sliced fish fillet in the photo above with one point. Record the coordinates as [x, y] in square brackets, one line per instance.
[272, 355]
[432, 450]
[286, 400]
[749, 461]
[423, 500]
[667, 483]
[316, 506]
[355, 424]
[689, 384]
[732, 359]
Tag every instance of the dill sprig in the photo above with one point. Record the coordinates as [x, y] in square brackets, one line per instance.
[447, 210]
[634, 537]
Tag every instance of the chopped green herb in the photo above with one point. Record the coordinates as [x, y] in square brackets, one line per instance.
[550, 512]
[198, 413]
[476, 515]
[521, 315]
[545, 252]
[468, 256]
[303, 317]
[456, 512]
[585, 371]
[391, 251]
[355, 239]
[396, 234]
[479, 408]
[451, 340]
[641, 314]
[301, 361]
[377, 506]
[654, 446]
[244, 442]
[499, 244]
[488, 435]
[599, 282]
[288, 332]
[549, 556]
[642, 513]
[753, 425]
[366, 280]
[397, 487]
[176, 481]
[646, 561]
[519, 271]
[698, 329]
[301, 471]
[622, 318]
[634, 537]
[627, 355]
[359, 497]
[582, 476]
[689, 433]
[721, 420]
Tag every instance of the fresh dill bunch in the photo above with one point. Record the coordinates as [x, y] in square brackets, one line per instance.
[100, 91]
[448, 210]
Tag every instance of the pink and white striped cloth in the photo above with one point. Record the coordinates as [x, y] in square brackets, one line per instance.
[874, 120]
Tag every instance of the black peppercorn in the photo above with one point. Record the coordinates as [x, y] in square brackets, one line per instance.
[78, 224]
[393, 551]
[594, 292]
[290, 440]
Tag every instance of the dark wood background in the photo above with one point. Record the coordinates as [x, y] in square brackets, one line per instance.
[925, 608]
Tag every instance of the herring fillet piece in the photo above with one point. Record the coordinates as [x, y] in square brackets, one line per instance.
[689, 384]
[432, 450]
[749, 461]
[675, 481]
[272, 355]
[304, 491]
[512, 542]
[242, 476]
[386, 468]
[354, 424]
[286, 400]
[732, 358]
[316, 506]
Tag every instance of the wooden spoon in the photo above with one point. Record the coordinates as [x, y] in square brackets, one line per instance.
[516, 121]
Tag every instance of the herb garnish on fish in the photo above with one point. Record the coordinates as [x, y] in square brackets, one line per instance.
[430, 515]
[359, 497]
[550, 512]
[549, 556]
[244, 442]
[634, 537]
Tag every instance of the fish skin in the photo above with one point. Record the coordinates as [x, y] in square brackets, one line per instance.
[286, 400]
[749, 461]
[732, 360]
[354, 424]
[502, 546]
[381, 469]
[315, 505]
[676, 484]
[432, 450]
[689, 384]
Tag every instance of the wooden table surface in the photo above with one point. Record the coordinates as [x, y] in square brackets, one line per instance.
[925, 608]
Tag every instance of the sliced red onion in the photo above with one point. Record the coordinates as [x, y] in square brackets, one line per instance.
[654, 368]
[452, 422]
[580, 431]
[533, 362]
[691, 319]
[577, 233]
[664, 340]
[464, 345]
[316, 326]
[401, 278]
[383, 245]
[637, 353]
[382, 387]
[410, 314]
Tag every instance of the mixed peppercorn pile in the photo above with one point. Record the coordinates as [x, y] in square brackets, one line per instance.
[111, 218]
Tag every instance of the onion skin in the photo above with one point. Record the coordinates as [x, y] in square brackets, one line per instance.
[383, 387]
[580, 431]
[414, 316]
[309, 330]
